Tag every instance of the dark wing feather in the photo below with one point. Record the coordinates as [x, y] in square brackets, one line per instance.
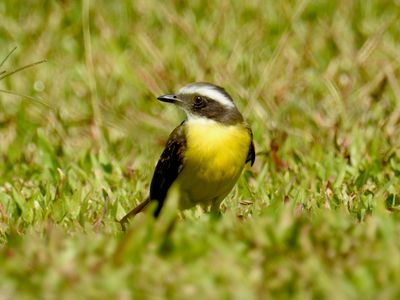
[251, 155]
[168, 167]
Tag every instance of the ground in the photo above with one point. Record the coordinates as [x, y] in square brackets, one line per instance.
[316, 217]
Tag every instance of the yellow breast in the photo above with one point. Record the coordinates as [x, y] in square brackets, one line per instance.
[214, 160]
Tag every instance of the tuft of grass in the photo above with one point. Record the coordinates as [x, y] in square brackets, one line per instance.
[316, 217]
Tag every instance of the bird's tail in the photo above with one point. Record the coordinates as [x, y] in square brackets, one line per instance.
[134, 212]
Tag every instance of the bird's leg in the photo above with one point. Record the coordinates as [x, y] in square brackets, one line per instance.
[133, 213]
[215, 211]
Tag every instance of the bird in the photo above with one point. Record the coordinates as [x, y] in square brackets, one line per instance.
[205, 155]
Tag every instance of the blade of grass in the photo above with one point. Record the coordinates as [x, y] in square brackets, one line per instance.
[22, 68]
[7, 56]
[97, 120]
[27, 97]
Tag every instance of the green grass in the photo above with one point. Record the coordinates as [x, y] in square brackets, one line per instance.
[316, 217]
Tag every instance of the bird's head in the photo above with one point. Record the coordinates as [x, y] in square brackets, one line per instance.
[205, 101]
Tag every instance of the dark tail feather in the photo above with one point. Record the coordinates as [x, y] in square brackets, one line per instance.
[133, 212]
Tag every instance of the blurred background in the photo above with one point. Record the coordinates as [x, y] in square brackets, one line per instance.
[299, 67]
[318, 81]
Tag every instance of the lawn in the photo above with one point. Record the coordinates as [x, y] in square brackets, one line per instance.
[317, 216]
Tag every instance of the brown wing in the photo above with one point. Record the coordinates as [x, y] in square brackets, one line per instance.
[168, 167]
[251, 155]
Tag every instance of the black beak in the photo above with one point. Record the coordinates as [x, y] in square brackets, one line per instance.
[169, 98]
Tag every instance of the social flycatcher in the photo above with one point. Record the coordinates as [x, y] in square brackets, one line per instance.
[205, 155]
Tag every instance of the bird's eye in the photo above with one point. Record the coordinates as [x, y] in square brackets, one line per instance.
[198, 102]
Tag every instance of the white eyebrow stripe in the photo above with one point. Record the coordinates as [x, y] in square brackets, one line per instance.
[207, 91]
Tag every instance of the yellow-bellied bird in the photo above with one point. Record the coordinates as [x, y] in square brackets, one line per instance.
[205, 155]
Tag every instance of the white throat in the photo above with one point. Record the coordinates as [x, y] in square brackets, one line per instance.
[193, 119]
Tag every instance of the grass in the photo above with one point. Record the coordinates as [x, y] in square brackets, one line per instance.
[316, 217]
